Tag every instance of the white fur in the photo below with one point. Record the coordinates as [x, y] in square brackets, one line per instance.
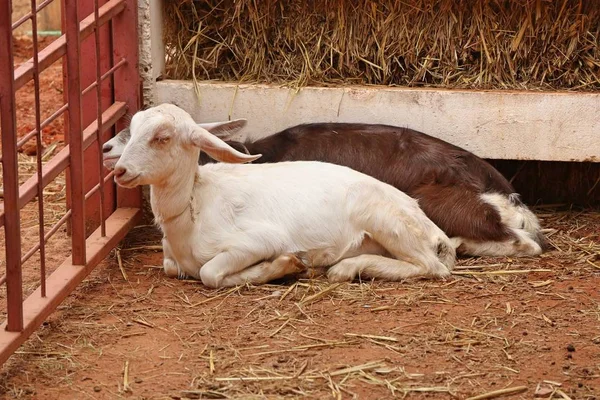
[228, 223]
[519, 220]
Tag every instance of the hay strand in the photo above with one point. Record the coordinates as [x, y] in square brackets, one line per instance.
[499, 393]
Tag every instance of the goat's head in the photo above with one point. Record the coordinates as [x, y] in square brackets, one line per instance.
[164, 141]
[112, 149]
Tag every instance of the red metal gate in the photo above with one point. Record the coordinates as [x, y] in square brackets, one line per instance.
[101, 84]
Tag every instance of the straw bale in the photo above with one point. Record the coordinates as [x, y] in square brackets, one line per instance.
[484, 44]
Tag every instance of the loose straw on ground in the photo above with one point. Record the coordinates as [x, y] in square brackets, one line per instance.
[499, 393]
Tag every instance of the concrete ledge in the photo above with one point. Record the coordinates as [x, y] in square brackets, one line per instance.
[492, 124]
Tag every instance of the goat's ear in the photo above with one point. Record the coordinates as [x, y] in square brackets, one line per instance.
[218, 149]
[226, 129]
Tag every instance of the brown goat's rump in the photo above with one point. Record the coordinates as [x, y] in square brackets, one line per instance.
[498, 323]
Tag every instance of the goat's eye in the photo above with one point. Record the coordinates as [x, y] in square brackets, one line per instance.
[161, 139]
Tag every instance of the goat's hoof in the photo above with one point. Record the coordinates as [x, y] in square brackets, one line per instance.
[339, 273]
[443, 272]
[302, 256]
[296, 265]
[171, 268]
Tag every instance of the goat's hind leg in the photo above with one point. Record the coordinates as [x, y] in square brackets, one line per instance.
[398, 225]
[520, 246]
[319, 260]
[378, 267]
[266, 271]
[232, 268]
[408, 243]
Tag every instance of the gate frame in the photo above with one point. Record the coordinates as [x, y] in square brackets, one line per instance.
[120, 16]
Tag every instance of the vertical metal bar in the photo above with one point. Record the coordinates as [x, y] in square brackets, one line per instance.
[89, 104]
[99, 113]
[63, 23]
[38, 138]
[75, 133]
[10, 173]
[127, 81]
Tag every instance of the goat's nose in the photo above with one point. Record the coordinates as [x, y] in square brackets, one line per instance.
[107, 147]
[120, 171]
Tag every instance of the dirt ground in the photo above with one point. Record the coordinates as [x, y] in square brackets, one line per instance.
[524, 324]
[51, 94]
[531, 326]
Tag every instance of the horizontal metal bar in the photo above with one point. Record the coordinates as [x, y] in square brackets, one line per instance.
[55, 50]
[60, 161]
[47, 237]
[25, 17]
[105, 75]
[44, 124]
[97, 187]
[66, 278]
[60, 222]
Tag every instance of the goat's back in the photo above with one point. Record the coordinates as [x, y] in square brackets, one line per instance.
[299, 195]
[402, 157]
[446, 179]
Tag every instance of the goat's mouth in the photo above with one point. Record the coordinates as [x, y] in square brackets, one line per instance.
[110, 161]
[127, 182]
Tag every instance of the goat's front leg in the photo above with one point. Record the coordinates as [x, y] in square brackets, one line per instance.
[170, 266]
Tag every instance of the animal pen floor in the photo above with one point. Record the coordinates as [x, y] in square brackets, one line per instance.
[131, 332]
[128, 331]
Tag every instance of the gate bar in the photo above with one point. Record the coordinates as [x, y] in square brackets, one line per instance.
[129, 88]
[10, 175]
[78, 235]
[39, 149]
[99, 116]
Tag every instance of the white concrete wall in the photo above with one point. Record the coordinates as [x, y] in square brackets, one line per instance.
[151, 46]
[492, 124]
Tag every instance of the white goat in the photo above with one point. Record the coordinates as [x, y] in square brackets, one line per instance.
[229, 224]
